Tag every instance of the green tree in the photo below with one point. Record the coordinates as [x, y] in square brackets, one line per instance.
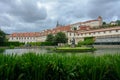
[60, 37]
[2, 36]
[50, 38]
[118, 22]
[104, 23]
[87, 41]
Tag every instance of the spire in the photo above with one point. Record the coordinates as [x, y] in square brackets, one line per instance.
[57, 24]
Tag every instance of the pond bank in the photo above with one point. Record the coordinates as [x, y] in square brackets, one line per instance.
[32, 47]
[74, 49]
[106, 46]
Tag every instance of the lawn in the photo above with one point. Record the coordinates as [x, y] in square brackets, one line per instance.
[74, 49]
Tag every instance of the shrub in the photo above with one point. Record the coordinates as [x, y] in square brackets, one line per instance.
[11, 43]
[11, 47]
[2, 50]
[47, 44]
[87, 41]
[34, 43]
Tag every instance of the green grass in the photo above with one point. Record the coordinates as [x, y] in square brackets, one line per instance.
[76, 49]
[11, 47]
[33, 66]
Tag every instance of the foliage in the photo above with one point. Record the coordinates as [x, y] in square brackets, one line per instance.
[2, 36]
[104, 23]
[74, 28]
[34, 43]
[11, 47]
[2, 50]
[50, 38]
[87, 41]
[60, 37]
[46, 43]
[58, 67]
[11, 44]
[75, 49]
[118, 22]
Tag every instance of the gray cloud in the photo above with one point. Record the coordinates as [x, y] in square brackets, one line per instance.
[29, 12]
[106, 8]
[37, 15]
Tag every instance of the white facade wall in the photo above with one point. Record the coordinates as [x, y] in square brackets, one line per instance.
[41, 38]
[23, 39]
[81, 36]
[94, 24]
[91, 24]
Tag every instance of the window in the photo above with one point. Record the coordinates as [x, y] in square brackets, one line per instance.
[116, 30]
[70, 34]
[98, 32]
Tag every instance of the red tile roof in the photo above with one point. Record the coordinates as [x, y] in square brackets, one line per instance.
[84, 27]
[26, 34]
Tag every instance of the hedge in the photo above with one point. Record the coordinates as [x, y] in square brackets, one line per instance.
[11, 43]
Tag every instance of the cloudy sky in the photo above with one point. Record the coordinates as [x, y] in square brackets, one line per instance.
[38, 15]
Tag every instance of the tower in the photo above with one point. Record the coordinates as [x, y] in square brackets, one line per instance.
[100, 20]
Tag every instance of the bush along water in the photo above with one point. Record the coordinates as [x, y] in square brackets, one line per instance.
[33, 66]
[2, 50]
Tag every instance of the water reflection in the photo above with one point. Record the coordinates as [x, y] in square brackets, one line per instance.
[21, 51]
[107, 51]
[42, 51]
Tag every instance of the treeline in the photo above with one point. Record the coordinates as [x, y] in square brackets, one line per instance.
[51, 40]
[106, 25]
[60, 37]
[11, 44]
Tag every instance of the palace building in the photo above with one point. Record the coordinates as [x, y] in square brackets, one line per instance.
[78, 31]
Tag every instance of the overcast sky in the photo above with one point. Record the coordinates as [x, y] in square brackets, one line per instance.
[38, 15]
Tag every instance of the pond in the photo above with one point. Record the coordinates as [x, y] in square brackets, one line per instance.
[44, 51]
[102, 51]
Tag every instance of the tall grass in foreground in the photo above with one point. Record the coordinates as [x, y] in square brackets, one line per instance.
[58, 67]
